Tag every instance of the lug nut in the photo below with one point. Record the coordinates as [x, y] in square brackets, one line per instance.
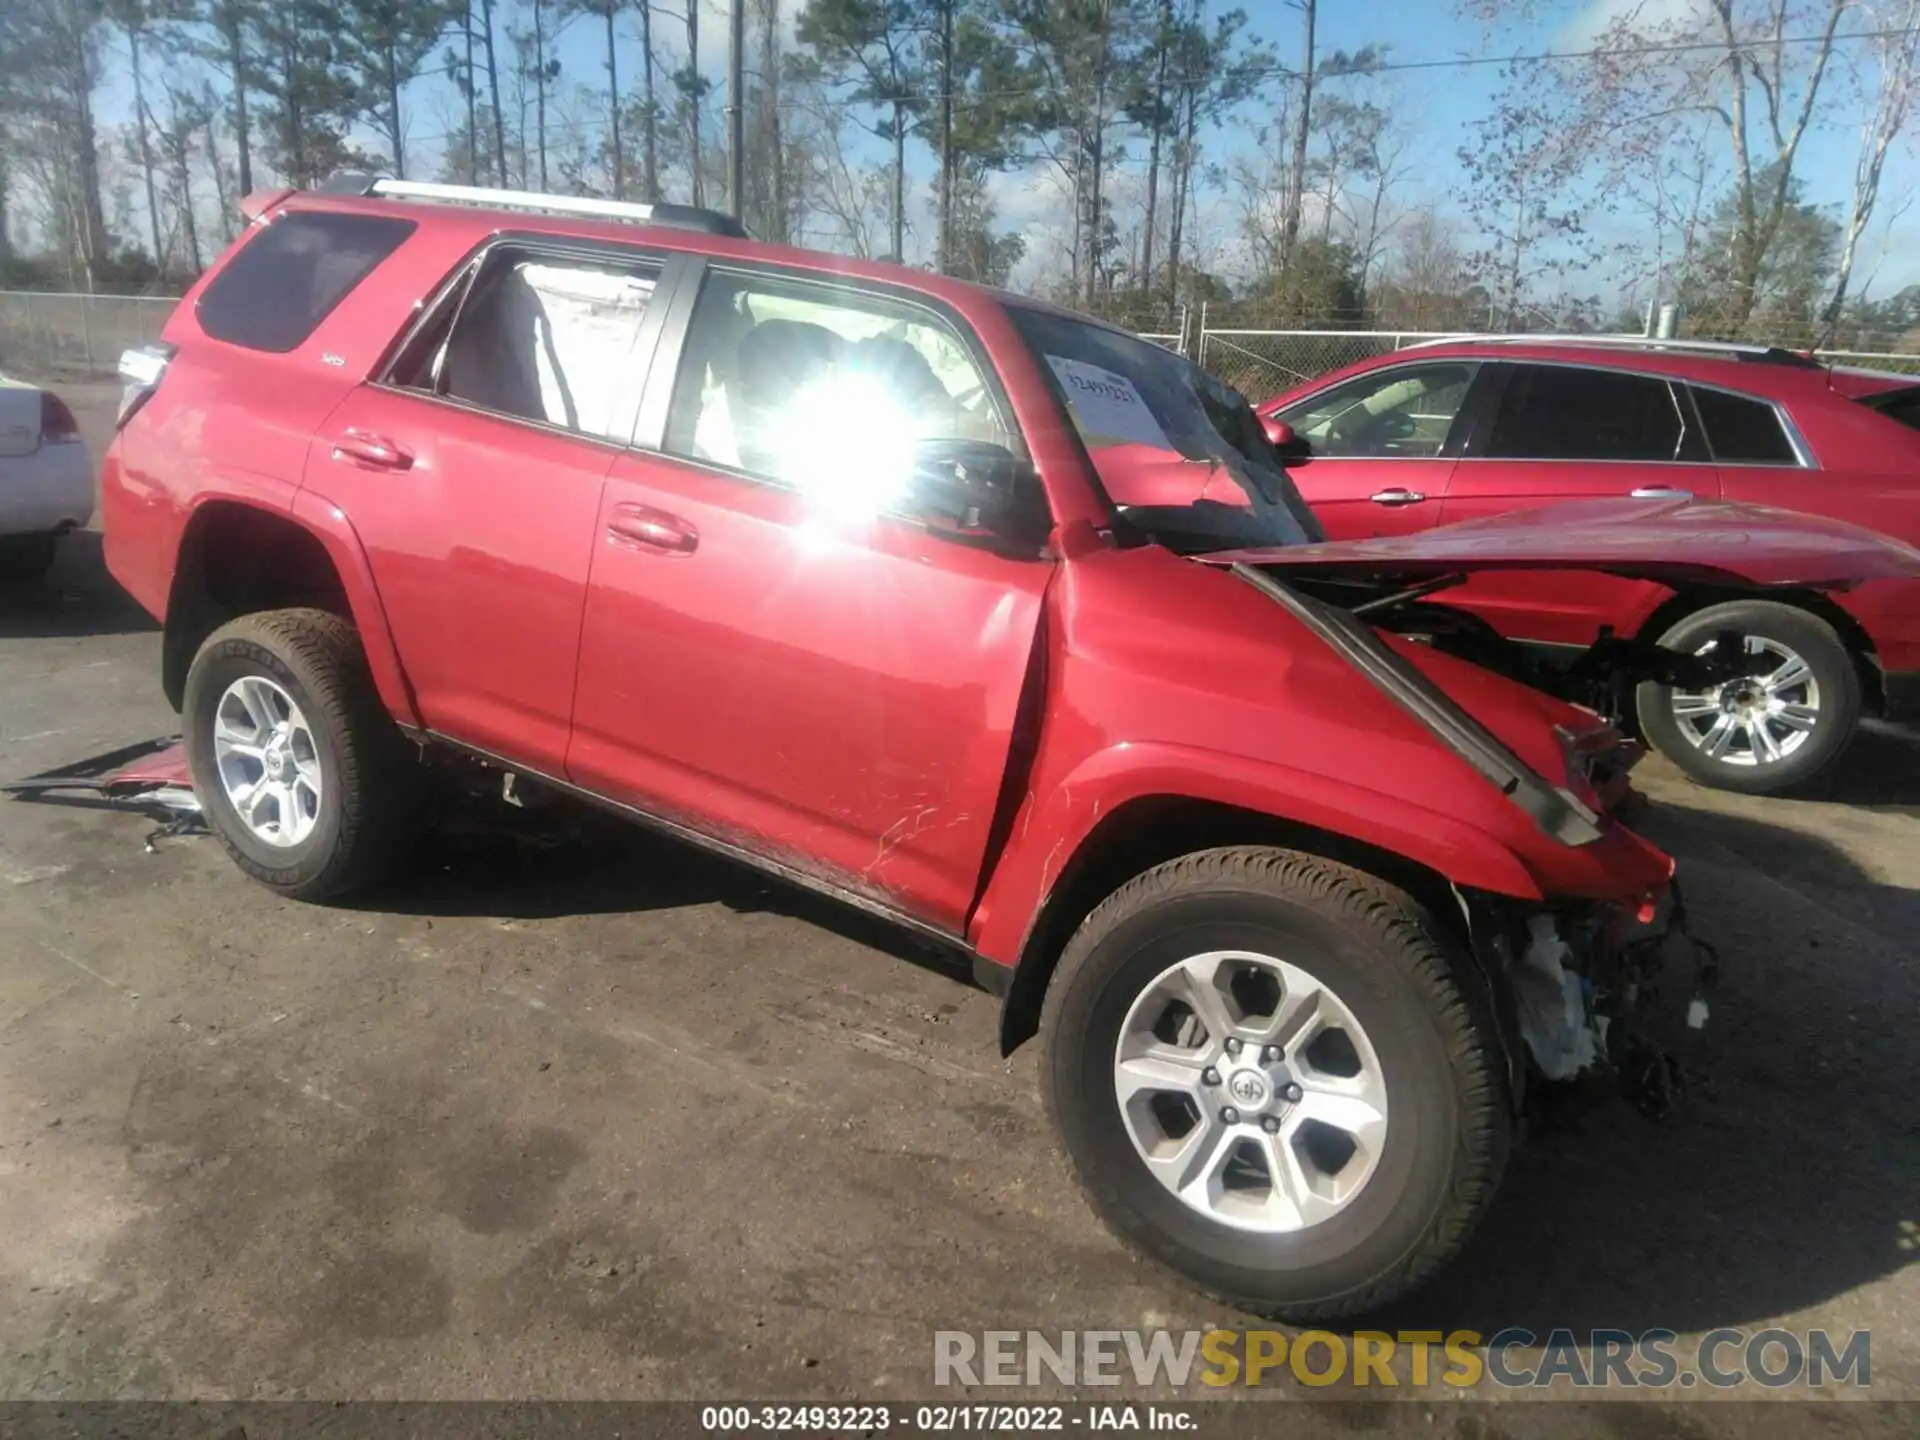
[1293, 1093]
[1210, 1076]
[1229, 1116]
[1269, 1124]
[1270, 1054]
[1233, 1047]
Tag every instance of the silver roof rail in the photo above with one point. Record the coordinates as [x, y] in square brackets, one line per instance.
[1772, 353]
[683, 217]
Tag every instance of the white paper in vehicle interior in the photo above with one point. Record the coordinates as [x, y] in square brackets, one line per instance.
[1106, 407]
[556, 343]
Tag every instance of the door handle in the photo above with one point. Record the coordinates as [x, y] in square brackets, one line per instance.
[1660, 492]
[651, 529]
[1398, 495]
[371, 452]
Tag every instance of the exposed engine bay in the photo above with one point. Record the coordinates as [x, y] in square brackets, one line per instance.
[1602, 678]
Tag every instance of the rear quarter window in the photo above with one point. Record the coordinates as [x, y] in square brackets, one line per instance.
[289, 276]
[1741, 431]
[1902, 405]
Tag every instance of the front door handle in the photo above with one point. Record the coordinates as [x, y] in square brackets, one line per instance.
[371, 452]
[1398, 495]
[1660, 492]
[643, 527]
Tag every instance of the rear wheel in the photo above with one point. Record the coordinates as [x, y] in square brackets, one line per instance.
[299, 769]
[1268, 1079]
[1782, 725]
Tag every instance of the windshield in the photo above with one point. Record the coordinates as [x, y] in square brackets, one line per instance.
[1181, 456]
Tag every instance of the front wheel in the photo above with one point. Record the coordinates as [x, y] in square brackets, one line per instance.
[1779, 727]
[299, 769]
[1268, 1078]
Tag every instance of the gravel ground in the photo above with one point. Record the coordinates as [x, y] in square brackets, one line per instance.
[609, 1119]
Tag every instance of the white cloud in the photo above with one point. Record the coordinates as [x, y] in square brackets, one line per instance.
[1590, 21]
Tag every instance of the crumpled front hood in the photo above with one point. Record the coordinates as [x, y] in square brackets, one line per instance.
[1673, 542]
[1521, 718]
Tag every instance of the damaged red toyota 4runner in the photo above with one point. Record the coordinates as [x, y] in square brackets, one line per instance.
[969, 611]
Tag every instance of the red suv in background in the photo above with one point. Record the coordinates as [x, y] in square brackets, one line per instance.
[968, 611]
[1463, 429]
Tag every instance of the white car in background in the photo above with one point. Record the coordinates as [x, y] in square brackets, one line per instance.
[46, 478]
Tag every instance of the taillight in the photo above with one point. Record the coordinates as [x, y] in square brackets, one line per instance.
[140, 372]
[57, 425]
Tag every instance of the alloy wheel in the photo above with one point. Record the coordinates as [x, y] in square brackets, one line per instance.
[1250, 1091]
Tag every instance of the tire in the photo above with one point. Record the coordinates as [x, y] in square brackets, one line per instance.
[1831, 692]
[1447, 1121]
[361, 815]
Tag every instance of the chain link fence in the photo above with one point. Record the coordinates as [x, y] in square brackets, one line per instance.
[75, 336]
[1259, 363]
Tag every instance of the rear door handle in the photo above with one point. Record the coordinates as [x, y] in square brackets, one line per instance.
[371, 452]
[1661, 492]
[1398, 495]
[646, 528]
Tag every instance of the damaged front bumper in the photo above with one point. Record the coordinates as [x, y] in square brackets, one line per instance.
[1594, 994]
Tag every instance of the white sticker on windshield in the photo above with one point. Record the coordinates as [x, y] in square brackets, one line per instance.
[1106, 407]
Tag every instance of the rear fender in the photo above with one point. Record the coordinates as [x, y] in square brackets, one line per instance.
[329, 523]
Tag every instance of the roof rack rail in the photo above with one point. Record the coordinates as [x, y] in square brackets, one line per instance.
[1762, 354]
[680, 217]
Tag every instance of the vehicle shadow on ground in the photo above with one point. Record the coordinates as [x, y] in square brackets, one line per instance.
[481, 858]
[1881, 770]
[1786, 1176]
[77, 597]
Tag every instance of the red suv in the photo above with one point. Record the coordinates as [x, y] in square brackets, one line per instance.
[1455, 431]
[968, 611]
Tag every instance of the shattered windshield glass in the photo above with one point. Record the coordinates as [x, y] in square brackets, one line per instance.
[1180, 454]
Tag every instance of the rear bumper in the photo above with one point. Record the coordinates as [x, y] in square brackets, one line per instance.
[48, 491]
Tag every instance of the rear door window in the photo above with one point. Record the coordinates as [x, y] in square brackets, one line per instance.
[1567, 412]
[545, 338]
[1742, 431]
[284, 281]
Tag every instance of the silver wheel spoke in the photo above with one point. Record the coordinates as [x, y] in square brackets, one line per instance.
[1298, 1014]
[1157, 1073]
[1191, 1170]
[1293, 1191]
[1794, 672]
[1716, 740]
[1794, 716]
[1765, 747]
[1689, 706]
[1205, 1001]
[1352, 1111]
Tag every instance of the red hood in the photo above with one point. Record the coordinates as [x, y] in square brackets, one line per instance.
[1673, 542]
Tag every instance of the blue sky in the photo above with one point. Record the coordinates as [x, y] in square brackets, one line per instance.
[1436, 106]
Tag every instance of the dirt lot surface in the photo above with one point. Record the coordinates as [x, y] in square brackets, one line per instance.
[608, 1119]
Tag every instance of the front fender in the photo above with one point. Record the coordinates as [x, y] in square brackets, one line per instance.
[1053, 826]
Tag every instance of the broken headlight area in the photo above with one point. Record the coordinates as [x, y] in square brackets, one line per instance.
[1598, 999]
